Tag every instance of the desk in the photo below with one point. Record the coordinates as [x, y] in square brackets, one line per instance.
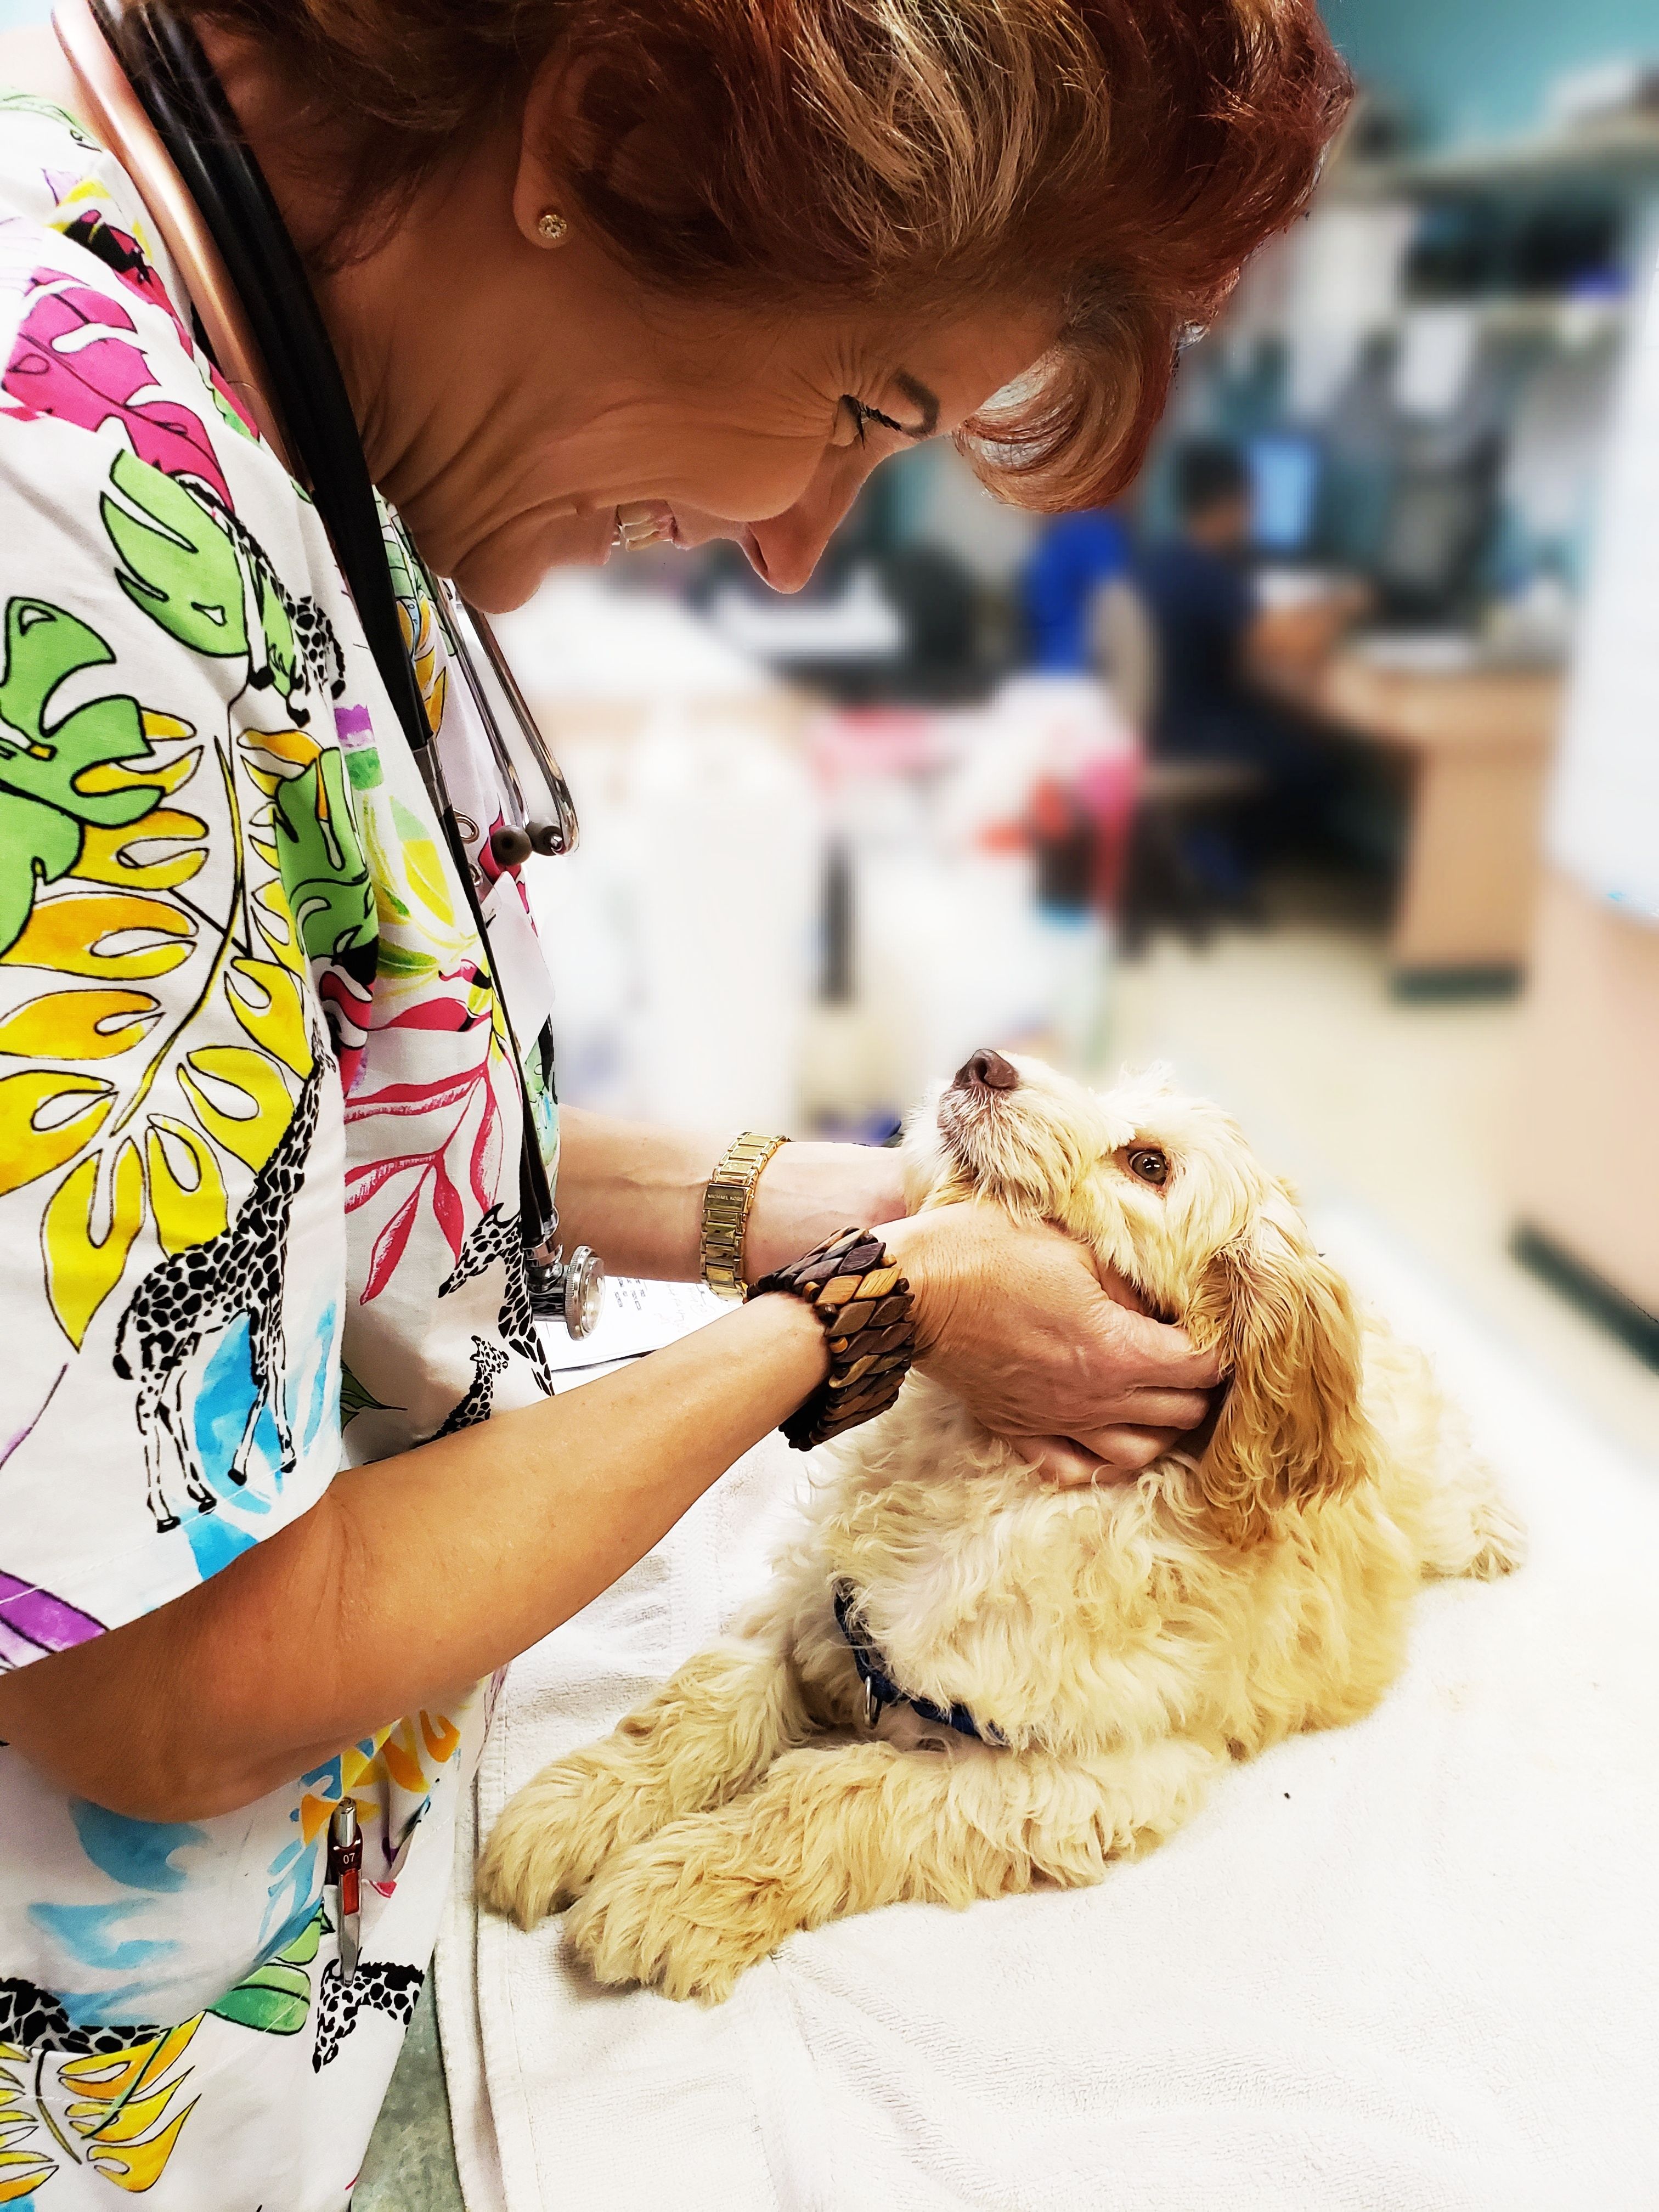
[1477, 744]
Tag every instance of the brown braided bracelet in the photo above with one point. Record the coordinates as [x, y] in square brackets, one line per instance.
[866, 1309]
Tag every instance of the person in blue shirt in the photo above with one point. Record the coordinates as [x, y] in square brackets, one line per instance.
[1209, 630]
[1076, 555]
[1201, 600]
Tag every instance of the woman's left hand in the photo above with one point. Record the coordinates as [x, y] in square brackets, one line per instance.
[1015, 1319]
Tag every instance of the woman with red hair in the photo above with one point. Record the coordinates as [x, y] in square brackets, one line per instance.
[281, 1481]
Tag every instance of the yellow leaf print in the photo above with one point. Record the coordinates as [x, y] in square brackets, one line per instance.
[139, 2166]
[21, 2172]
[239, 1098]
[105, 776]
[45, 1120]
[276, 755]
[78, 1025]
[433, 680]
[423, 868]
[265, 1000]
[275, 919]
[103, 935]
[186, 1191]
[160, 851]
[123, 2101]
[82, 1269]
[427, 876]
[107, 2078]
[443, 1738]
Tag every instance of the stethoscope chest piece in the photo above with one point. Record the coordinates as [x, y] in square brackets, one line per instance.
[571, 1290]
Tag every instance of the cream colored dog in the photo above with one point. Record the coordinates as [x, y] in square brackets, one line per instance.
[1112, 1648]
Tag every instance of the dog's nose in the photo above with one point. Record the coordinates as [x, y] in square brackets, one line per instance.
[987, 1071]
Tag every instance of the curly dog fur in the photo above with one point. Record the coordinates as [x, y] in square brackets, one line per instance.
[1126, 1641]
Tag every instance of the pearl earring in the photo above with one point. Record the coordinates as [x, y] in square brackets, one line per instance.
[551, 227]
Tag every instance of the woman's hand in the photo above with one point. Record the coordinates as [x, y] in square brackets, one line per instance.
[1013, 1319]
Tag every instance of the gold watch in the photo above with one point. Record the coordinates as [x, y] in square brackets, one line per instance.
[726, 1204]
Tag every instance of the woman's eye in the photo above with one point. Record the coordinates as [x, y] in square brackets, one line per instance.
[1151, 1165]
[864, 416]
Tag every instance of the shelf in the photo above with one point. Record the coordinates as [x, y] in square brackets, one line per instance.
[1624, 145]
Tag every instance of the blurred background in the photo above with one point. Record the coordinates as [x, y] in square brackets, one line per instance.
[1325, 768]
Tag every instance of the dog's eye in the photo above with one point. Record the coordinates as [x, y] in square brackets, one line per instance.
[1149, 1164]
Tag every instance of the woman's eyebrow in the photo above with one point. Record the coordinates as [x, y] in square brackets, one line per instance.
[924, 399]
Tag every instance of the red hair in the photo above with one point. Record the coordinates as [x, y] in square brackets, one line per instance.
[1115, 160]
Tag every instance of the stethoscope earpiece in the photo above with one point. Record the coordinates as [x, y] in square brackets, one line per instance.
[510, 847]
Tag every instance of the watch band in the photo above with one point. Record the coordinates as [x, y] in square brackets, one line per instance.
[868, 1314]
[725, 1203]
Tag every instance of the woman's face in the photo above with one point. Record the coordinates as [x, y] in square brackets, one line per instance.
[514, 397]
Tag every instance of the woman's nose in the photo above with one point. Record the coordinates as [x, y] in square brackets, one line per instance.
[987, 1071]
[786, 549]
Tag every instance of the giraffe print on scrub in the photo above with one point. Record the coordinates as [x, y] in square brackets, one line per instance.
[194, 1295]
[497, 1238]
[488, 1362]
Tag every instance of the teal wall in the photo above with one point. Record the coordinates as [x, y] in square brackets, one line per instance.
[1467, 69]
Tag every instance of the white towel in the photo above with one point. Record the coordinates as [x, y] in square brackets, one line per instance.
[1407, 1966]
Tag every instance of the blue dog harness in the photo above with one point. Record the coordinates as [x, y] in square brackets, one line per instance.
[880, 1690]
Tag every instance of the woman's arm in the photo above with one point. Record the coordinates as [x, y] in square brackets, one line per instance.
[422, 1573]
[634, 1193]
[412, 1577]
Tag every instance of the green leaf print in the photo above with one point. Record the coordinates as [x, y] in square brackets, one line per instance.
[356, 1397]
[181, 568]
[321, 860]
[30, 103]
[46, 807]
[305, 1947]
[276, 1998]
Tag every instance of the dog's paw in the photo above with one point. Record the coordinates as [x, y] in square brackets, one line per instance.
[553, 1838]
[664, 1915]
[1499, 1544]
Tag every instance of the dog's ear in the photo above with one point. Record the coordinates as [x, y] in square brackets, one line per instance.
[1291, 1428]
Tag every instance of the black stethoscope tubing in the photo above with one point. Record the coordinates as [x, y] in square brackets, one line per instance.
[176, 84]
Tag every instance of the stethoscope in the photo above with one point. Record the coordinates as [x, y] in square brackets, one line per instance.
[154, 92]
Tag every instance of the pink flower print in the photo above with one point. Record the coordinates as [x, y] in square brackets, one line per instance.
[120, 251]
[64, 363]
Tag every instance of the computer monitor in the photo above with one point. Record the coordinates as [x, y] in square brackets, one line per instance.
[1285, 470]
[1441, 520]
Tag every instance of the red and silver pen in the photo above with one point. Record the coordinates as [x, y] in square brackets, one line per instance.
[344, 1877]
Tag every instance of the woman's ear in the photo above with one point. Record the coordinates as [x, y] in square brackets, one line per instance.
[1291, 1428]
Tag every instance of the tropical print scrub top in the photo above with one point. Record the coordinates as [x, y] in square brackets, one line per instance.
[259, 1136]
